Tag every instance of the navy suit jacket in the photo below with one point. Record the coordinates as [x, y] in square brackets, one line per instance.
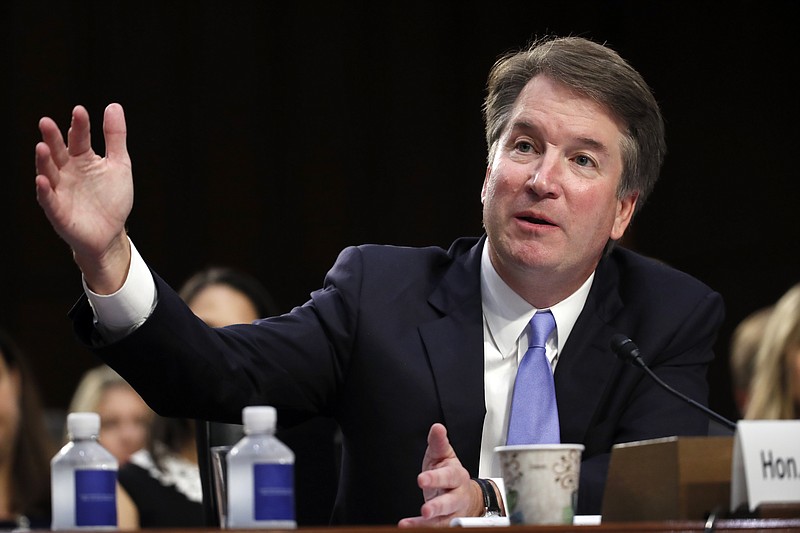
[393, 342]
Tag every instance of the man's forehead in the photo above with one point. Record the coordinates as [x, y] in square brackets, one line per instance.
[544, 86]
[542, 99]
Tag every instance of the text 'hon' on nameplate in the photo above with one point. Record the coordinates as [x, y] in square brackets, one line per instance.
[766, 463]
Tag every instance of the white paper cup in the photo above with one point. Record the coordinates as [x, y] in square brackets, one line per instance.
[541, 482]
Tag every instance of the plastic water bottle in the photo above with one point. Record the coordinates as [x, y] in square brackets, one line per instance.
[84, 478]
[260, 475]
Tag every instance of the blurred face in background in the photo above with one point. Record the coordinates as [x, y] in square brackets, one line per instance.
[9, 409]
[221, 305]
[124, 421]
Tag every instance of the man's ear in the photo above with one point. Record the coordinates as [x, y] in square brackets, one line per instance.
[626, 206]
[485, 184]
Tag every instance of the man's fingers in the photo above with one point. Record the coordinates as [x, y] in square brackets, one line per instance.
[415, 521]
[436, 512]
[45, 166]
[418, 521]
[44, 193]
[443, 481]
[445, 476]
[444, 505]
[438, 444]
[410, 522]
[78, 136]
[51, 135]
[115, 132]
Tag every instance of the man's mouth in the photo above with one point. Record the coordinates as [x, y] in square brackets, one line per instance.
[538, 221]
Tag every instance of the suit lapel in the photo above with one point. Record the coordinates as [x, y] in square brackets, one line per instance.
[454, 344]
[586, 363]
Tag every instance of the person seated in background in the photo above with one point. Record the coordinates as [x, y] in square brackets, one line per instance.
[745, 341]
[124, 417]
[25, 445]
[161, 485]
[222, 296]
[775, 388]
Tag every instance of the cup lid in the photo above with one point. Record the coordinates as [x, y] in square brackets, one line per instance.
[520, 447]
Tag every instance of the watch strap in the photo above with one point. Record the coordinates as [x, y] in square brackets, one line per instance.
[490, 503]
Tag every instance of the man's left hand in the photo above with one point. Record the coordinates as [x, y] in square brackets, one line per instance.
[446, 485]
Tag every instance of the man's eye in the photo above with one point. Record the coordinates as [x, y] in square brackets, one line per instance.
[524, 147]
[584, 161]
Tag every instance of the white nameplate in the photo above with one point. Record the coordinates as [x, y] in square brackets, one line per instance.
[766, 463]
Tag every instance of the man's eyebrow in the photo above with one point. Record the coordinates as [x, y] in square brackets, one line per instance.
[587, 142]
[592, 143]
[523, 125]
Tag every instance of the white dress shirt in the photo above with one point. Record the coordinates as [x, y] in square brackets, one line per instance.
[505, 340]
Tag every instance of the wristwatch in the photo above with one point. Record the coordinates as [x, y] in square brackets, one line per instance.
[491, 507]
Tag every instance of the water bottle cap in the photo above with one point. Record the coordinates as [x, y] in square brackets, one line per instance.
[259, 418]
[83, 425]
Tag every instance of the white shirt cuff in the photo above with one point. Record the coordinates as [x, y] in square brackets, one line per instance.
[118, 314]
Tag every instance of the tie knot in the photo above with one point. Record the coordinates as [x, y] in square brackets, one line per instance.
[542, 324]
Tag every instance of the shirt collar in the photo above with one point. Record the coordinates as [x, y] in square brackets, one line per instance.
[507, 313]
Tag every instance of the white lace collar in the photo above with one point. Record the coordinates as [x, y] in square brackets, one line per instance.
[178, 472]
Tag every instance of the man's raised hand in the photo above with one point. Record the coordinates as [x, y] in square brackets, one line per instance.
[88, 198]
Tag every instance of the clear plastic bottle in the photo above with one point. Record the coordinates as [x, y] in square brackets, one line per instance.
[84, 478]
[260, 475]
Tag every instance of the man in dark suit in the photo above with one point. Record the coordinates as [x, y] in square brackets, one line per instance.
[401, 343]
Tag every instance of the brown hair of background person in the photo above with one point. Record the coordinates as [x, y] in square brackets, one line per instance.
[25, 445]
[745, 342]
[251, 288]
[775, 389]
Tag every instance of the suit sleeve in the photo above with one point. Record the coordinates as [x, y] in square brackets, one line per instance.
[183, 368]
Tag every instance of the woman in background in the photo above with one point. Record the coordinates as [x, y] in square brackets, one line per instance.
[124, 417]
[161, 484]
[25, 446]
[775, 389]
[745, 342]
[223, 296]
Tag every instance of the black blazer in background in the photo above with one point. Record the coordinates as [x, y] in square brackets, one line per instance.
[393, 342]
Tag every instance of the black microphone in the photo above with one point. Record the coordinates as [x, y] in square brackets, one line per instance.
[629, 352]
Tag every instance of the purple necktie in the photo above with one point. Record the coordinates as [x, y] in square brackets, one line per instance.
[534, 413]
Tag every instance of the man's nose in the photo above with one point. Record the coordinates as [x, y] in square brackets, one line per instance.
[545, 175]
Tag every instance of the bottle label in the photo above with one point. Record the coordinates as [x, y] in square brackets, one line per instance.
[95, 498]
[273, 497]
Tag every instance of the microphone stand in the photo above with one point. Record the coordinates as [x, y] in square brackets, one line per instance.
[203, 436]
[628, 351]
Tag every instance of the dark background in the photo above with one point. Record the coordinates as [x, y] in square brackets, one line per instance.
[269, 135]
